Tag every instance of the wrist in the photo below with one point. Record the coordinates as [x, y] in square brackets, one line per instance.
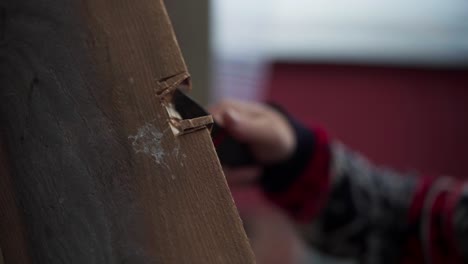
[279, 176]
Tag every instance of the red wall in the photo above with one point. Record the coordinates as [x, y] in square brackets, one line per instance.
[406, 118]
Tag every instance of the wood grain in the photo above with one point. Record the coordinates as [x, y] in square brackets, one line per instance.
[93, 171]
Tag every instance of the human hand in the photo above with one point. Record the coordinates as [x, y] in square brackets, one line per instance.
[266, 131]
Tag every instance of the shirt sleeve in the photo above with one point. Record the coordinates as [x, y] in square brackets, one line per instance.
[348, 207]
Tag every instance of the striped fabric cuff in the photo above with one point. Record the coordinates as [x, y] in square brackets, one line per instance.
[300, 185]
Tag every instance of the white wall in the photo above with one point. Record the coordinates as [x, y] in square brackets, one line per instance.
[388, 31]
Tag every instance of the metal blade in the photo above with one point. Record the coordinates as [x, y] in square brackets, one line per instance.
[186, 107]
[230, 151]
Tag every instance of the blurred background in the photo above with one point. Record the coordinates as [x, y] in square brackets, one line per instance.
[388, 78]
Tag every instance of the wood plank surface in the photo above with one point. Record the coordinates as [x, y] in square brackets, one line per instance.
[90, 170]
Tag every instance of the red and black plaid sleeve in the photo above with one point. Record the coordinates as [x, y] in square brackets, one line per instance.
[348, 207]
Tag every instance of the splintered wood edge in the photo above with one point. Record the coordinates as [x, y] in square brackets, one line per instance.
[185, 126]
[168, 84]
[178, 125]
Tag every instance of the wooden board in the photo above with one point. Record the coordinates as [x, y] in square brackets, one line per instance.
[90, 171]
